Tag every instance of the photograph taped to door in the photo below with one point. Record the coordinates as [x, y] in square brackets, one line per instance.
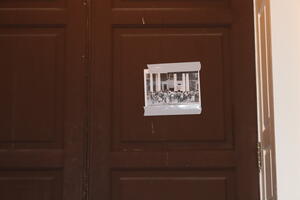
[172, 89]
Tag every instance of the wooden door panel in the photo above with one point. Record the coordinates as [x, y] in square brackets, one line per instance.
[172, 159]
[172, 184]
[35, 184]
[33, 85]
[134, 48]
[159, 16]
[43, 99]
[33, 4]
[167, 3]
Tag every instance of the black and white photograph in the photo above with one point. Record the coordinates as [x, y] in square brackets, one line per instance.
[172, 89]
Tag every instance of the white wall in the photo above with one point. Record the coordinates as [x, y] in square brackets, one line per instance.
[286, 70]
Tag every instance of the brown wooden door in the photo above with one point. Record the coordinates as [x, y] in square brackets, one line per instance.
[43, 99]
[266, 135]
[211, 156]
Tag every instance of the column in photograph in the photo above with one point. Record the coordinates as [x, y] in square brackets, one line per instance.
[175, 81]
[187, 79]
[158, 82]
[183, 81]
[151, 82]
[197, 82]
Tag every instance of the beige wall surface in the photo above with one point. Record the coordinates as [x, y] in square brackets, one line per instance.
[286, 71]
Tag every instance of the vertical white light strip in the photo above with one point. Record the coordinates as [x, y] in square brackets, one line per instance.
[267, 60]
[158, 82]
[151, 82]
[183, 82]
[261, 75]
[175, 81]
[187, 82]
[145, 86]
